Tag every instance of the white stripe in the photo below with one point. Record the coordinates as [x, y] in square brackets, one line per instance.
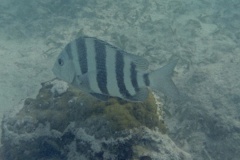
[112, 85]
[127, 75]
[91, 54]
[75, 58]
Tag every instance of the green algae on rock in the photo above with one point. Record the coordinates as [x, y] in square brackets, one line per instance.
[128, 115]
[64, 123]
[73, 105]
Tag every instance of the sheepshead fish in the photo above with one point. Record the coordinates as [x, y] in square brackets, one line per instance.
[104, 70]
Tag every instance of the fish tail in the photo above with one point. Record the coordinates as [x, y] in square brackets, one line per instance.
[160, 80]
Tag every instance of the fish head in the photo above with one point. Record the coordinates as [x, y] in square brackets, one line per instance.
[64, 68]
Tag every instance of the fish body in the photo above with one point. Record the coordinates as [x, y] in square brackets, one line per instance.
[100, 68]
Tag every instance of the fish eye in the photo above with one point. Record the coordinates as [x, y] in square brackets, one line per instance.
[60, 62]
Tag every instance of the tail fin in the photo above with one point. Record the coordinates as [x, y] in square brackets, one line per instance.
[160, 80]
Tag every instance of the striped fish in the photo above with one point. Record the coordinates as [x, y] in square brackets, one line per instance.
[104, 70]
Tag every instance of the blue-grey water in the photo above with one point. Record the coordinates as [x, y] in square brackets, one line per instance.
[204, 34]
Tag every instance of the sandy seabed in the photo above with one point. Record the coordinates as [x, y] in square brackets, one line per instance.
[204, 34]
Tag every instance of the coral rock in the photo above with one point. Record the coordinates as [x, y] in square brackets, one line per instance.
[64, 123]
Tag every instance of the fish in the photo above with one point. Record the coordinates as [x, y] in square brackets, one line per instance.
[104, 70]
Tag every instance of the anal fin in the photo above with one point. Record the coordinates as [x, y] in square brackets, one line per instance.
[140, 96]
[101, 97]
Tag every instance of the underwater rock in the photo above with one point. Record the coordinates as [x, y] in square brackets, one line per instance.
[64, 123]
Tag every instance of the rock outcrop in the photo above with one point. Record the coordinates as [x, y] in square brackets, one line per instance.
[64, 123]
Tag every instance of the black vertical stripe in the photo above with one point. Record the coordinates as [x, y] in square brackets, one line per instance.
[69, 51]
[146, 79]
[82, 54]
[120, 75]
[134, 77]
[100, 50]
